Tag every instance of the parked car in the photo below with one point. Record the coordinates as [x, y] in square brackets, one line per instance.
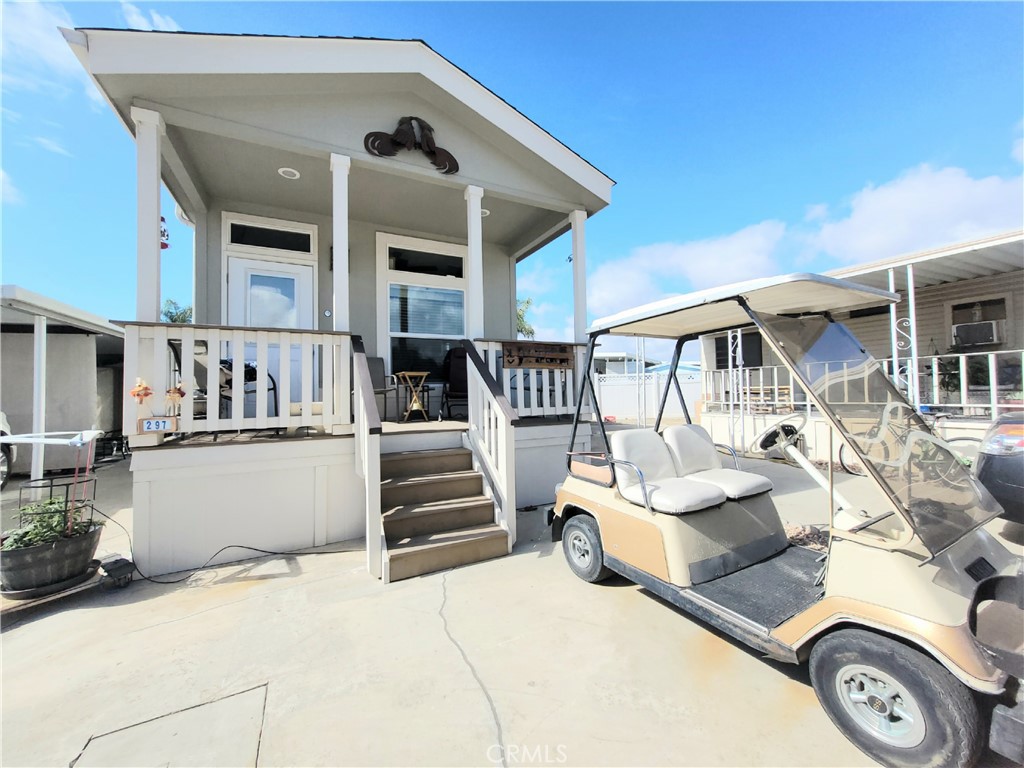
[8, 453]
[1000, 465]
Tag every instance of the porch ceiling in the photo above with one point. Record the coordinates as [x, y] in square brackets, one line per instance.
[236, 170]
[980, 258]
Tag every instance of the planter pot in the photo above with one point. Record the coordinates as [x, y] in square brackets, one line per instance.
[46, 564]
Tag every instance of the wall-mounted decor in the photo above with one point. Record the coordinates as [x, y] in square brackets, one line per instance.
[533, 354]
[384, 144]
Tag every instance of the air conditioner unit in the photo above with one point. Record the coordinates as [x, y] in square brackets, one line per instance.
[974, 334]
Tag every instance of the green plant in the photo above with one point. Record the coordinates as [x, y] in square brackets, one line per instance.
[48, 521]
[523, 326]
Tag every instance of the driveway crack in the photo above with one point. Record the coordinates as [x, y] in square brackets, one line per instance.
[472, 669]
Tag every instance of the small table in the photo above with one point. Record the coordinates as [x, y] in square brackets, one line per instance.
[414, 381]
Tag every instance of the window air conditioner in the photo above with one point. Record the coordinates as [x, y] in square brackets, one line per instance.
[973, 334]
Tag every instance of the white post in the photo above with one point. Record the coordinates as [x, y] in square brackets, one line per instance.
[149, 127]
[38, 393]
[579, 275]
[893, 333]
[475, 265]
[340, 165]
[913, 378]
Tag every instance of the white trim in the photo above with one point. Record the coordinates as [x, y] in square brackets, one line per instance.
[227, 249]
[386, 277]
[340, 294]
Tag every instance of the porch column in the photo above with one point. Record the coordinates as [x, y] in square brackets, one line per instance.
[340, 165]
[915, 398]
[475, 264]
[38, 393]
[894, 340]
[149, 128]
[579, 275]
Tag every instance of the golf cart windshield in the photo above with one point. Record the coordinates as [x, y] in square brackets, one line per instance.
[935, 488]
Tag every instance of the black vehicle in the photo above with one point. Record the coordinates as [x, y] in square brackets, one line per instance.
[1000, 466]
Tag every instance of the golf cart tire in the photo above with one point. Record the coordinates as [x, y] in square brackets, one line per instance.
[953, 729]
[582, 529]
[6, 451]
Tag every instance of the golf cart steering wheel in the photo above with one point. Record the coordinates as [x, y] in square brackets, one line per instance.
[780, 435]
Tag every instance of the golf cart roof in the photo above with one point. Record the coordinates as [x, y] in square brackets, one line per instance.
[716, 309]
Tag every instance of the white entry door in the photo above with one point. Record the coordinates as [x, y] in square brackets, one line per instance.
[271, 294]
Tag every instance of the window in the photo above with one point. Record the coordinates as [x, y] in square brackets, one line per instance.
[751, 345]
[422, 296]
[979, 311]
[264, 237]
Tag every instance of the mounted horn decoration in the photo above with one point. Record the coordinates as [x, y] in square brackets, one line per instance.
[411, 133]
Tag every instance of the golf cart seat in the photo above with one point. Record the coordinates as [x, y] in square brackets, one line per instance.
[667, 493]
[697, 459]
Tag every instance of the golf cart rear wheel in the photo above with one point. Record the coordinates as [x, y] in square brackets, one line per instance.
[5, 466]
[581, 543]
[897, 705]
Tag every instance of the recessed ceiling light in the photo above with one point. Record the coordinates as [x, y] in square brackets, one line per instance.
[289, 173]
[484, 213]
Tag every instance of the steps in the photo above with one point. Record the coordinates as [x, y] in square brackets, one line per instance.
[435, 513]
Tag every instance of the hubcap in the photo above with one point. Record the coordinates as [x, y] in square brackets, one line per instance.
[579, 549]
[880, 705]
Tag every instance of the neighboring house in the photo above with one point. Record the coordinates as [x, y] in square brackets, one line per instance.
[61, 372]
[322, 242]
[953, 344]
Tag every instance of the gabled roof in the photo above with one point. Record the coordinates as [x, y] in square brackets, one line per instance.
[105, 51]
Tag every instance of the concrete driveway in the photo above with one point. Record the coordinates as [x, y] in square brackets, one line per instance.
[305, 660]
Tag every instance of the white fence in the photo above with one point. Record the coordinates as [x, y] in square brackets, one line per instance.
[223, 378]
[625, 397]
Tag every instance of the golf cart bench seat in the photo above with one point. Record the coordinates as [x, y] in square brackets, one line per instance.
[696, 458]
[682, 472]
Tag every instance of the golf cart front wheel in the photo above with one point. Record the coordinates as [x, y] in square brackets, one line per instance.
[5, 466]
[581, 543]
[897, 705]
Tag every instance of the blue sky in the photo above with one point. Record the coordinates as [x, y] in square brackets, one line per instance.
[746, 139]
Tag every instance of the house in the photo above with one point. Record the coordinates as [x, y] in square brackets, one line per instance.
[353, 199]
[61, 372]
[954, 344]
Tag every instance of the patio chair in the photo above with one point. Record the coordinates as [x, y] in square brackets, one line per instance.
[383, 384]
[456, 382]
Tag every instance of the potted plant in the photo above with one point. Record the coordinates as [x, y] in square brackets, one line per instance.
[52, 548]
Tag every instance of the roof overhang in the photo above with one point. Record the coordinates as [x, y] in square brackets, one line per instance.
[115, 58]
[719, 308]
[988, 256]
[21, 307]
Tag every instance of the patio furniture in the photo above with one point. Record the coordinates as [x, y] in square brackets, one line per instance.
[456, 383]
[225, 380]
[383, 384]
[413, 382]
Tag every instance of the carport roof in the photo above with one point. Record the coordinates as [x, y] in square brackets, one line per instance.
[21, 307]
[988, 256]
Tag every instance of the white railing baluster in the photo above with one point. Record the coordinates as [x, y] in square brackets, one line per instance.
[188, 378]
[262, 355]
[306, 386]
[328, 352]
[284, 383]
[237, 379]
[129, 410]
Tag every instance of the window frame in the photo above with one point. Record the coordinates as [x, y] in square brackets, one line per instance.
[386, 277]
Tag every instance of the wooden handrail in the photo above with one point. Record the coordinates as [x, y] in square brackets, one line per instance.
[492, 386]
[362, 370]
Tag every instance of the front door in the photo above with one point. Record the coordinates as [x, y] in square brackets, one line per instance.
[271, 294]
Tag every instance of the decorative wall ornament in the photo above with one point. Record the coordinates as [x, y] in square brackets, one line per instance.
[411, 133]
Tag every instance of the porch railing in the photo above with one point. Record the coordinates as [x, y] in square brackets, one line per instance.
[367, 437]
[539, 391]
[233, 378]
[492, 439]
[981, 384]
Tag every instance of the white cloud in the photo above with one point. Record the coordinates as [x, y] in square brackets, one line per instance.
[9, 194]
[137, 19]
[816, 212]
[922, 208]
[52, 146]
[1018, 150]
[35, 54]
[653, 272]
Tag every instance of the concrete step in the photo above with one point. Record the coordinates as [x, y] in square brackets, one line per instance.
[438, 551]
[420, 489]
[412, 520]
[431, 462]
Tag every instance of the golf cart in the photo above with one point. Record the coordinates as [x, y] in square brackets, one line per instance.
[911, 620]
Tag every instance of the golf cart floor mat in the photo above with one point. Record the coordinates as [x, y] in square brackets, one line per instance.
[771, 591]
